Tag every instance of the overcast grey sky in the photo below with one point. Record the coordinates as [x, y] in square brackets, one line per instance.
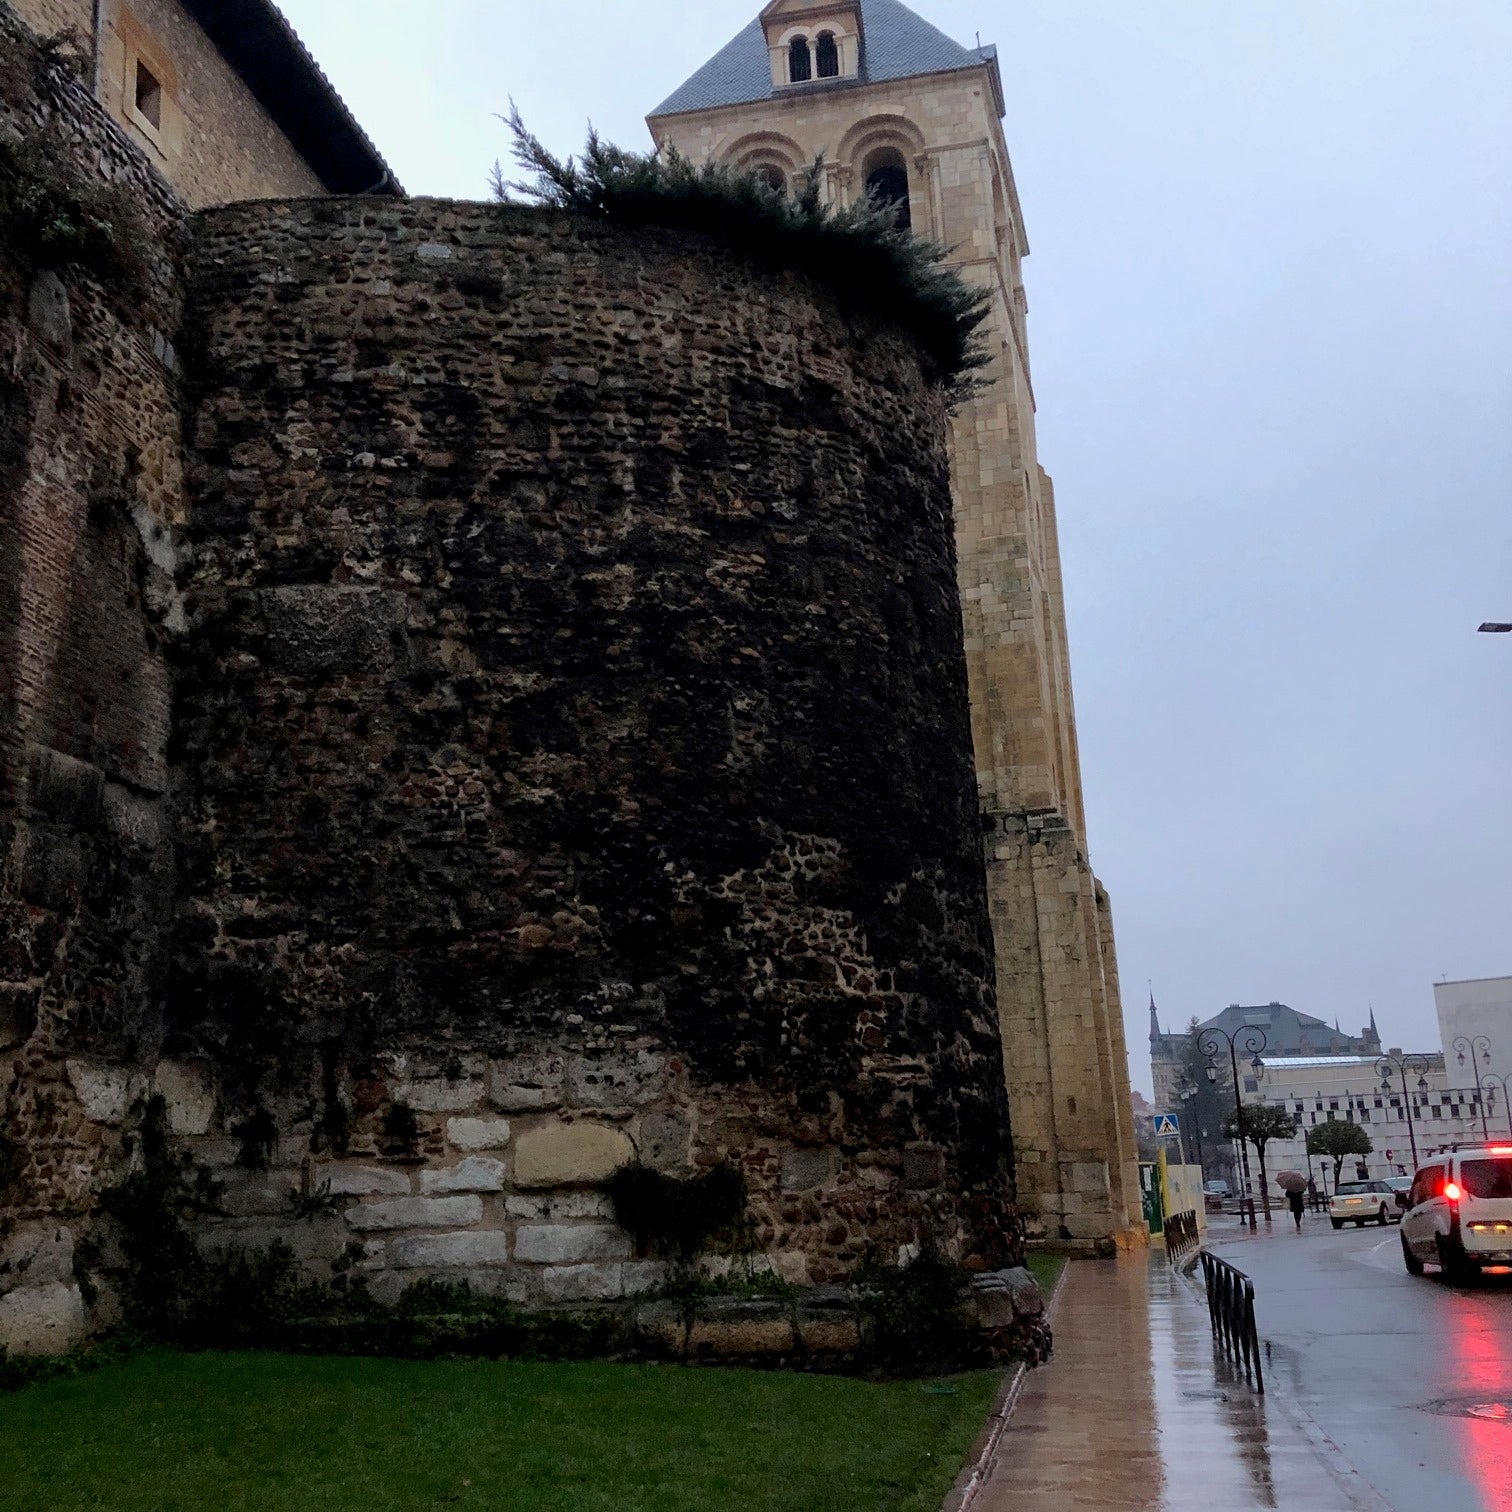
[1271, 324]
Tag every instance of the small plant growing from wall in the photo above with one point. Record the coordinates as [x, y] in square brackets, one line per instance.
[858, 252]
[53, 219]
[916, 1308]
[676, 1216]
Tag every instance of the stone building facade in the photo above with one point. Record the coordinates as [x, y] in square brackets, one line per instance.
[442, 647]
[896, 108]
[220, 96]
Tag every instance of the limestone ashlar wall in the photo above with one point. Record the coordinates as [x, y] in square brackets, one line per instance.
[91, 482]
[579, 674]
[215, 142]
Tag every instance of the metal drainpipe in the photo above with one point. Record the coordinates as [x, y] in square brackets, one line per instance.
[99, 45]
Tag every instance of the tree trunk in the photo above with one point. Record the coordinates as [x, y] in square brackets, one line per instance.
[1264, 1183]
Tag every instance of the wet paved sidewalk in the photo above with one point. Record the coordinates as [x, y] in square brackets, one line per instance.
[1131, 1413]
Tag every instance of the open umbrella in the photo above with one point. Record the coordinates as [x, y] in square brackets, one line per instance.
[1291, 1181]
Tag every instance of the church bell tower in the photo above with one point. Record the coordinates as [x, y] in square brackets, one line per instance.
[899, 110]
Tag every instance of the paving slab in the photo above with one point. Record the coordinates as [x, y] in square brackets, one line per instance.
[1134, 1411]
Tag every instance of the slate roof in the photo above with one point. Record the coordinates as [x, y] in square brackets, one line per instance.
[898, 45]
[1288, 1033]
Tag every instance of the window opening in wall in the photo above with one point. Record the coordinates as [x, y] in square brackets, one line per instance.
[773, 177]
[149, 96]
[800, 69]
[887, 183]
[827, 56]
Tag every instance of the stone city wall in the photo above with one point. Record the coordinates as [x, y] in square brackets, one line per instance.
[576, 685]
[91, 505]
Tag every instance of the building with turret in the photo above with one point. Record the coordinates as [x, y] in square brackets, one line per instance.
[1288, 1033]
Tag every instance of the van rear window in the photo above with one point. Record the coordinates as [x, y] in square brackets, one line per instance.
[1486, 1178]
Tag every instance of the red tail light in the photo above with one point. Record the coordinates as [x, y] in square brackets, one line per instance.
[1452, 1191]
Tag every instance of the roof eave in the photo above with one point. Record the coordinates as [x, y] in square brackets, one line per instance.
[263, 49]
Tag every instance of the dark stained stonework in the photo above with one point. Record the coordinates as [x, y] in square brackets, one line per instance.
[575, 663]
[491, 708]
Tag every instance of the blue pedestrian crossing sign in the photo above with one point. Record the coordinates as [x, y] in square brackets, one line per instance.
[1167, 1126]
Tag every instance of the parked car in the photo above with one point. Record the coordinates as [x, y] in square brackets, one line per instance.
[1362, 1202]
[1217, 1188]
[1401, 1185]
[1459, 1212]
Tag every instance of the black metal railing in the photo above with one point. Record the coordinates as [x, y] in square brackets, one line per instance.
[1231, 1310]
[1182, 1236]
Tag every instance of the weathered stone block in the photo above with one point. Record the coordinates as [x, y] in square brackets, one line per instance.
[560, 1206]
[804, 1169]
[1003, 1298]
[105, 1092]
[38, 1320]
[311, 1240]
[256, 1194]
[582, 1283]
[637, 1276]
[35, 1254]
[666, 1142]
[606, 1081]
[363, 1181]
[424, 1251]
[525, 1082]
[477, 1133]
[185, 1087]
[475, 1174]
[569, 1244]
[416, 1212]
[562, 1154]
[737, 1327]
[48, 313]
[440, 1095]
[326, 628]
[923, 1170]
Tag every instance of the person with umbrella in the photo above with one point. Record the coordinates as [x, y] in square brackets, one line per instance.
[1293, 1183]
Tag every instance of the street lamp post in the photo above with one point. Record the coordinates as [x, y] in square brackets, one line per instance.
[1401, 1065]
[1492, 1082]
[1478, 1049]
[1188, 1094]
[1251, 1040]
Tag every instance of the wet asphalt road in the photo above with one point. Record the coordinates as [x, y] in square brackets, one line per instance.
[1410, 1378]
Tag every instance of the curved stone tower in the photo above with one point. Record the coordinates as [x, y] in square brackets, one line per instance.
[574, 747]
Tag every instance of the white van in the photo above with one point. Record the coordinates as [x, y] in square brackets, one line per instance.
[1458, 1212]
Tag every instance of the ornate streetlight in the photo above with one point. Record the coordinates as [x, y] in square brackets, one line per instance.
[1478, 1049]
[1493, 1081]
[1401, 1065]
[1250, 1039]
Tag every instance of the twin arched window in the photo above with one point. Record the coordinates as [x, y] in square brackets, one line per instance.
[825, 58]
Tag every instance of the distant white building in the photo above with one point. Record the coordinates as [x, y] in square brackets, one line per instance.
[1475, 1021]
[1445, 1108]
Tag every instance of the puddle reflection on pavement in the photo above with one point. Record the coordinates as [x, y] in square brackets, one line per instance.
[1135, 1411]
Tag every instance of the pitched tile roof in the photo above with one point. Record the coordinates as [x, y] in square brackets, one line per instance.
[899, 45]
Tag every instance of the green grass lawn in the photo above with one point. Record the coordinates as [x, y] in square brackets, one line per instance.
[165, 1432]
[1046, 1269]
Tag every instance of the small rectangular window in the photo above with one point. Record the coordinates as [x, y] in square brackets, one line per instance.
[149, 96]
